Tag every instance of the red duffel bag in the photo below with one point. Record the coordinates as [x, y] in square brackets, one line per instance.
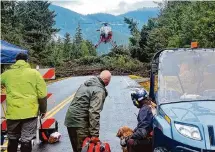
[89, 146]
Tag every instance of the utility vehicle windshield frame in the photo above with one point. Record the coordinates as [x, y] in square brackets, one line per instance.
[186, 75]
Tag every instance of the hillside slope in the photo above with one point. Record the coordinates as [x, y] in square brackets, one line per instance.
[67, 21]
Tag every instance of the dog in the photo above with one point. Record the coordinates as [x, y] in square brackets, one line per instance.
[124, 132]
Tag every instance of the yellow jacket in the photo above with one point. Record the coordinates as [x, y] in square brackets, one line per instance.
[24, 86]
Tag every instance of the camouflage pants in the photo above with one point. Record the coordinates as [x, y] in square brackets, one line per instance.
[77, 136]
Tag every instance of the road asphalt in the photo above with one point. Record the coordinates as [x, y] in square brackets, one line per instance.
[118, 111]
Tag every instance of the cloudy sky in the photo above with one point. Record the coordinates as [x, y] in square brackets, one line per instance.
[114, 7]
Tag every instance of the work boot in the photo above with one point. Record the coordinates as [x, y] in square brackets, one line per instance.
[12, 145]
[26, 147]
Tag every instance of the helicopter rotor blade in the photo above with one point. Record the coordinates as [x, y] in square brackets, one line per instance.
[102, 23]
[87, 23]
[116, 24]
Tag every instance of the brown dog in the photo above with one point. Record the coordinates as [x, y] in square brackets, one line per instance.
[124, 132]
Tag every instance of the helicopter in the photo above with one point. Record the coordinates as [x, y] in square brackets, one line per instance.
[106, 34]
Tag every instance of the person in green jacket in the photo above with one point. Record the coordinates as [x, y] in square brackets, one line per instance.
[83, 115]
[26, 93]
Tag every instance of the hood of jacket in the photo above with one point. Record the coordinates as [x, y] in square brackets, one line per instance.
[96, 81]
[20, 64]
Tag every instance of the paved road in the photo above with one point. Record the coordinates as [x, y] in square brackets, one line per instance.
[118, 111]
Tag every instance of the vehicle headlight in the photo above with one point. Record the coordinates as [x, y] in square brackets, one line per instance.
[188, 131]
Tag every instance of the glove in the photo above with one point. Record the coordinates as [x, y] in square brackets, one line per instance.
[130, 142]
[42, 115]
[95, 140]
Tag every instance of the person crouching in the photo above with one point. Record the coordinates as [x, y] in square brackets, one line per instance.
[139, 139]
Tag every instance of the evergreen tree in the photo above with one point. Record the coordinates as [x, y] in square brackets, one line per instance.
[11, 25]
[132, 25]
[75, 52]
[84, 49]
[91, 48]
[177, 25]
[67, 50]
[38, 29]
[78, 42]
[78, 36]
[56, 58]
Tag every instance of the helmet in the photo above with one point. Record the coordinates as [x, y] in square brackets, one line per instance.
[105, 24]
[138, 95]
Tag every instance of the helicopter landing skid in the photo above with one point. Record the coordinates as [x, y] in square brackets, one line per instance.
[111, 42]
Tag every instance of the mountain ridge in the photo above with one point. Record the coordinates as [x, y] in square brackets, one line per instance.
[67, 21]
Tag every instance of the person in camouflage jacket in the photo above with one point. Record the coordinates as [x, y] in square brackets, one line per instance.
[83, 115]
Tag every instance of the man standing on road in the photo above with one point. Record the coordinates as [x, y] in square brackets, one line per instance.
[83, 116]
[26, 96]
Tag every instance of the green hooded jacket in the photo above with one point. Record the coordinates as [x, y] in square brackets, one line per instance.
[24, 87]
[84, 110]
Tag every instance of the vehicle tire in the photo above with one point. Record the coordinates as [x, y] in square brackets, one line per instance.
[160, 149]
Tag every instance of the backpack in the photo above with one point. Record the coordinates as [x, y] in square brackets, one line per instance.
[88, 146]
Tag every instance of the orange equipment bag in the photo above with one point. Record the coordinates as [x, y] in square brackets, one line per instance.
[88, 146]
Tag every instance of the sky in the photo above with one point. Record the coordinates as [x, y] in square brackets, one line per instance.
[114, 7]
